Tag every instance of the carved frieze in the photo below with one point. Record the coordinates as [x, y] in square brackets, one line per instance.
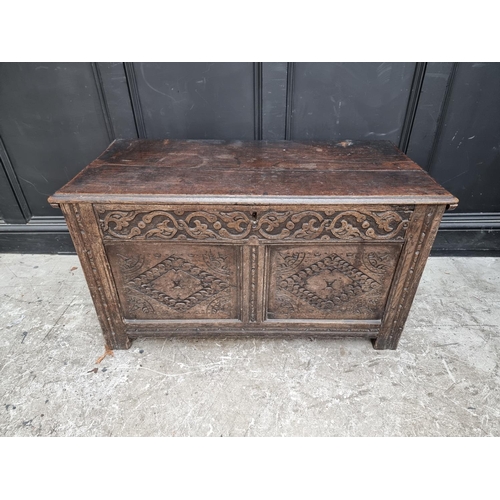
[217, 225]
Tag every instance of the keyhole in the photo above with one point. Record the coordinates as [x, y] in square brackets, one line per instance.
[254, 217]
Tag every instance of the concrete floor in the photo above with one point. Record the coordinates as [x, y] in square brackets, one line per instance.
[444, 379]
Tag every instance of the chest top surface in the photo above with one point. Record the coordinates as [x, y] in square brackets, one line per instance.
[259, 172]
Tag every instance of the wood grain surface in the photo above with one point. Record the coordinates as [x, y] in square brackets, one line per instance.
[211, 238]
[351, 171]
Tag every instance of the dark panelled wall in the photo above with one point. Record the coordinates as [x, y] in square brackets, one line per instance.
[57, 117]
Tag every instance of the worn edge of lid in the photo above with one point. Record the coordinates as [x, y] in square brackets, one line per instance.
[59, 197]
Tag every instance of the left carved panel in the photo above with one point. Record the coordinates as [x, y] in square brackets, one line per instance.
[175, 281]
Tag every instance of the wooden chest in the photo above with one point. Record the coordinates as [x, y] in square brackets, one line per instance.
[205, 238]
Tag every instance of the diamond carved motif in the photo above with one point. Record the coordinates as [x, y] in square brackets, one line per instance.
[327, 283]
[178, 284]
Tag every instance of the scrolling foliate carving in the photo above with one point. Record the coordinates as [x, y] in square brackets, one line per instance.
[325, 225]
[175, 224]
[377, 262]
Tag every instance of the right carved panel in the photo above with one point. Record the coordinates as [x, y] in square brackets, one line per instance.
[330, 281]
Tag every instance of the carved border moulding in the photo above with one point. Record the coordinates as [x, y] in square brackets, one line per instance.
[253, 283]
[217, 225]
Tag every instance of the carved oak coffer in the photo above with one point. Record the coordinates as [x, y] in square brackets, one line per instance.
[205, 238]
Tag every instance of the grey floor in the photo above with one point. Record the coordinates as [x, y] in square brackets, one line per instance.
[444, 379]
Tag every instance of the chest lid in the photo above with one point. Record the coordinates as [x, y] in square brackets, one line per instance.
[257, 172]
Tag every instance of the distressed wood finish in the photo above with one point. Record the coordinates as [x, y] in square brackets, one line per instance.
[89, 247]
[411, 266]
[160, 281]
[316, 282]
[203, 238]
[191, 223]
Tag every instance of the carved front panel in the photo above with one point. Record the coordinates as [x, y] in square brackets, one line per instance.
[380, 223]
[330, 281]
[172, 281]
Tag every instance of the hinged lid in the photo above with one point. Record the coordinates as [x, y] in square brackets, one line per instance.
[262, 172]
